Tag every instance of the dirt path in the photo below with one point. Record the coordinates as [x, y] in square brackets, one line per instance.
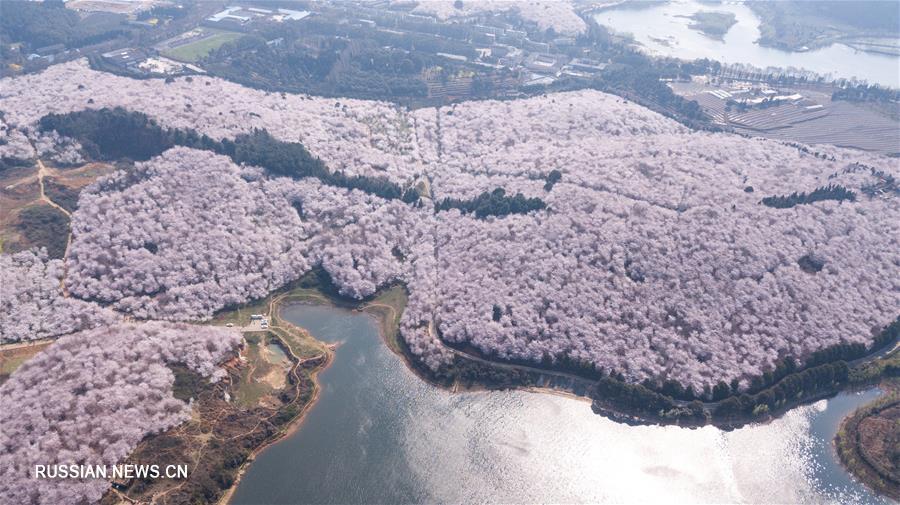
[41, 173]
[28, 343]
[122, 497]
[706, 403]
[884, 352]
[514, 366]
[294, 424]
[198, 457]
[393, 311]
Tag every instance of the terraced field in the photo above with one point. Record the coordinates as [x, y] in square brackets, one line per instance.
[839, 123]
[844, 125]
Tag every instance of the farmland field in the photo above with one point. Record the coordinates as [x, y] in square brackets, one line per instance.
[194, 51]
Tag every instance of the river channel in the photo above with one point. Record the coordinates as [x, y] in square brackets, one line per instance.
[663, 29]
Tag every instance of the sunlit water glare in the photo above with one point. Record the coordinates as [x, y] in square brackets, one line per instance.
[380, 435]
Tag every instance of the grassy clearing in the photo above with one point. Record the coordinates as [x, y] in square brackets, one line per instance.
[25, 220]
[298, 341]
[198, 50]
[78, 177]
[41, 225]
[18, 189]
[241, 315]
[11, 359]
[388, 307]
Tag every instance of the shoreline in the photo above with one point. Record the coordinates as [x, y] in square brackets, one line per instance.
[289, 430]
[846, 445]
[275, 306]
[321, 297]
[520, 377]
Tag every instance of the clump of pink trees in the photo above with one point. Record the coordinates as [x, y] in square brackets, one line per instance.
[653, 258]
[557, 14]
[32, 305]
[198, 236]
[154, 249]
[656, 258]
[685, 286]
[91, 397]
[14, 144]
[358, 137]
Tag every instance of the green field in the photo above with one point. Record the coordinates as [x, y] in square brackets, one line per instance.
[194, 51]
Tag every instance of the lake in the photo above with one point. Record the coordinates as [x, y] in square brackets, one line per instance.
[379, 434]
[661, 31]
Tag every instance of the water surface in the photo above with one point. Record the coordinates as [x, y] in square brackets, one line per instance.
[379, 434]
[663, 30]
[276, 353]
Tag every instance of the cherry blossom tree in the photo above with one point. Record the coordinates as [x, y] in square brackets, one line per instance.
[14, 144]
[653, 257]
[91, 397]
[357, 137]
[168, 253]
[557, 14]
[32, 305]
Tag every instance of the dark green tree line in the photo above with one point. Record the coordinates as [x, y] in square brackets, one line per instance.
[112, 134]
[494, 203]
